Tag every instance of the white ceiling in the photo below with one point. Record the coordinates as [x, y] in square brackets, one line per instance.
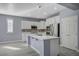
[35, 10]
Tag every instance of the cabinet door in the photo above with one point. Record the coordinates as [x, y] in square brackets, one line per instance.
[37, 44]
[69, 32]
[42, 25]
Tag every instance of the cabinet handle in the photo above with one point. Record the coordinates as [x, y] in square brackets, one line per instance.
[36, 39]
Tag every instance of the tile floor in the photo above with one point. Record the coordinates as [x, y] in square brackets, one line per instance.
[21, 49]
[16, 49]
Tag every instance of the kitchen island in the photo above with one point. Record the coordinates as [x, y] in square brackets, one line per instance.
[44, 45]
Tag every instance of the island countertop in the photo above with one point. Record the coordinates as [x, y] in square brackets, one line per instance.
[42, 37]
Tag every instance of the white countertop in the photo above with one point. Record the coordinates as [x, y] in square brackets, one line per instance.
[44, 37]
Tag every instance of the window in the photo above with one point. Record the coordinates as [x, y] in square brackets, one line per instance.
[10, 25]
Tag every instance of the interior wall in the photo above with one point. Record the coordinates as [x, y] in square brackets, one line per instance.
[17, 34]
[4, 35]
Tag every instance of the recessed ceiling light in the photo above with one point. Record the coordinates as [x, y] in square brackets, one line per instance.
[38, 5]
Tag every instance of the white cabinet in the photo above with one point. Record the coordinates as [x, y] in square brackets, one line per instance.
[47, 22]
[28, 24]
[45, 46]
[53, 20]
[42, 25]
[69, 32]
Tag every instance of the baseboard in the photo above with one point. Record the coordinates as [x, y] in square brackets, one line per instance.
[12, 41]
[77, 50]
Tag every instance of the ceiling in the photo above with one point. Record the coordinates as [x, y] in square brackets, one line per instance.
[14, 8]
[35, 10]
[73, 6]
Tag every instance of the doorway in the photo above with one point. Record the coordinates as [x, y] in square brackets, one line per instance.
[58, 31]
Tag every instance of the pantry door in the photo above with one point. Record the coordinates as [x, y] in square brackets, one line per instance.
[69, 32]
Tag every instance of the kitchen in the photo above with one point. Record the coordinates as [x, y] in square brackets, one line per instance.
[39, 31]
[43, 29]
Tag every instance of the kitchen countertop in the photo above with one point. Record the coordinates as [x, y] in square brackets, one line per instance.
[42, 37]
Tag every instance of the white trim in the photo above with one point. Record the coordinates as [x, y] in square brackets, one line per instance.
[9, 26]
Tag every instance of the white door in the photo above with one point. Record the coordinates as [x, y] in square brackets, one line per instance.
[69, 32]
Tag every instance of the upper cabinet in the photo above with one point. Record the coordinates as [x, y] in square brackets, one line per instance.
[28, 24]
[52, 20]
[42, 25]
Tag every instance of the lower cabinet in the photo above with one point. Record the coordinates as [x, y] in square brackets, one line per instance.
[48, 47]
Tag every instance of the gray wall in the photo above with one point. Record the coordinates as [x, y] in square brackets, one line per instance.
[16, 35]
